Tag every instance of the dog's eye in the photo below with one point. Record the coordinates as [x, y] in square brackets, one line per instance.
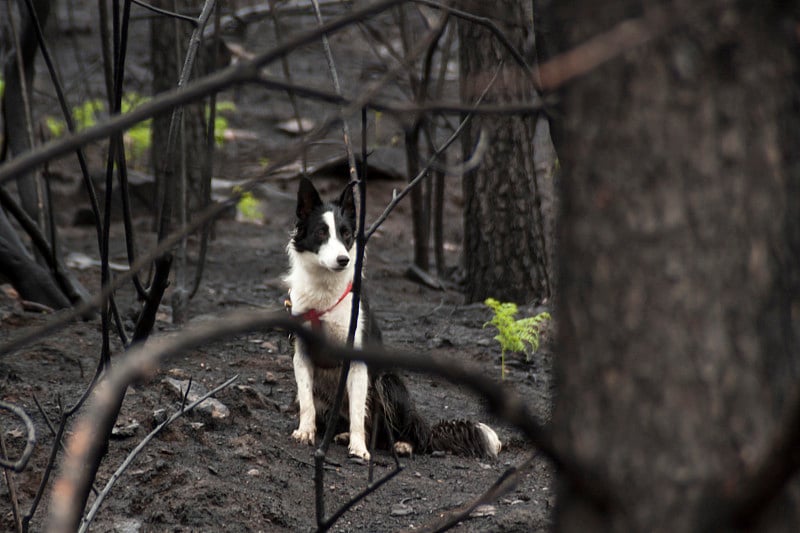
[344, 232]
[322, 233]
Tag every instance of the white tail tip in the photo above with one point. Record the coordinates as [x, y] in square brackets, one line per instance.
[493, 444]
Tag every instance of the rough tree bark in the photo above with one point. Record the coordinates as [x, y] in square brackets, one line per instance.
[680, 277]
[504, 248]
[179, 172]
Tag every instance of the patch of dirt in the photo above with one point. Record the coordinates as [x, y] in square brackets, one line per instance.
[245, 473]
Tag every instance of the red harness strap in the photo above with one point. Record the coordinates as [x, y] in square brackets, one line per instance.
[314, 316]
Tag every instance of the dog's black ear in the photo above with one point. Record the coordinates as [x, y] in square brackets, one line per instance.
[307, 199]
[347, 201]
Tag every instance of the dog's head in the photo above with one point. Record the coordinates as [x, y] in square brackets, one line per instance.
[326, 230]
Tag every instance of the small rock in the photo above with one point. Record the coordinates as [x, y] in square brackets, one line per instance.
[210, 406]
[254, 472]
[125, 432]
[440, 342]
[401, 509]
[270, 379]
[159, 415]
[438, 453]
[131, 525]
[293, 128]
[197, 426]
[271, 347]
[483, 510]
[178, 373]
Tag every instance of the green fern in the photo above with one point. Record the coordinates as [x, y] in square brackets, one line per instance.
[514, 335]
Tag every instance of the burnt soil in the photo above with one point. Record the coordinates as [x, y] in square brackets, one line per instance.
[244, 472]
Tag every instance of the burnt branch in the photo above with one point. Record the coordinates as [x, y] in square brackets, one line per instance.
[326, 46]
[424, 171]
[506, 482]
[167, 13]
[86, 522]
[30, 438]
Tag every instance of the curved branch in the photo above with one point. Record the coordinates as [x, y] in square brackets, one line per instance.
[86, 445]
[30, 441]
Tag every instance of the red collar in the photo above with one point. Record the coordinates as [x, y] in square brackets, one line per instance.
[314, 316]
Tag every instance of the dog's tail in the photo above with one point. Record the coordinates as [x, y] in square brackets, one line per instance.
[397, 414]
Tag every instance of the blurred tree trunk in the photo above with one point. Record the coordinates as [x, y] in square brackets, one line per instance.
[504, 231]
[680, 264]
[179, 173]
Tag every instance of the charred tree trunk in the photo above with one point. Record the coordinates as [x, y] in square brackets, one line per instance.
[680, 265]
[178, 167]
[504, 249]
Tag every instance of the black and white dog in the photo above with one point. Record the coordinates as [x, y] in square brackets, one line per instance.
[321, 257]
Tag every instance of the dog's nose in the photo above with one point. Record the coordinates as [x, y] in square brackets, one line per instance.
[342, 260]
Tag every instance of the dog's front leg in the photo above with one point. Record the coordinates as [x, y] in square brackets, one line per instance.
[357, 387]
[304, 375]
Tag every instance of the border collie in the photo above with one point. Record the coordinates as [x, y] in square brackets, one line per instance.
[321, 257]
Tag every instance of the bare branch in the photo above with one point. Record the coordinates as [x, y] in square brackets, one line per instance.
[423, 172]
[86, 522]
[326, 46]
[507, 481]
[167, 13]
[30, 438]
[604, 47]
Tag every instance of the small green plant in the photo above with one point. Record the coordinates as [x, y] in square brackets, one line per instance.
[514, 335]
[248, 208]
[55, 126]
[139, 138]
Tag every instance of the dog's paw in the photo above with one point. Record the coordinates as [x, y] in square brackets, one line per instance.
[342, 439]
[358, 450]
[403, 449]
[304, 436]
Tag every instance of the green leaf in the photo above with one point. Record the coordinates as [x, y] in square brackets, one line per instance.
[521, 336]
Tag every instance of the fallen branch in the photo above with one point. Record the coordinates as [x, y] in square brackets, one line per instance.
[145, 441]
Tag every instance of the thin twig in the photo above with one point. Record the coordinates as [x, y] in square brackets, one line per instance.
[287, 73]
[326, 46]
[507, 481]
[208, 163]
[372, 487]
[12, 486]
[411, 184]
[177, 114]
[86, 522]
[402, 110]
[167, 13]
